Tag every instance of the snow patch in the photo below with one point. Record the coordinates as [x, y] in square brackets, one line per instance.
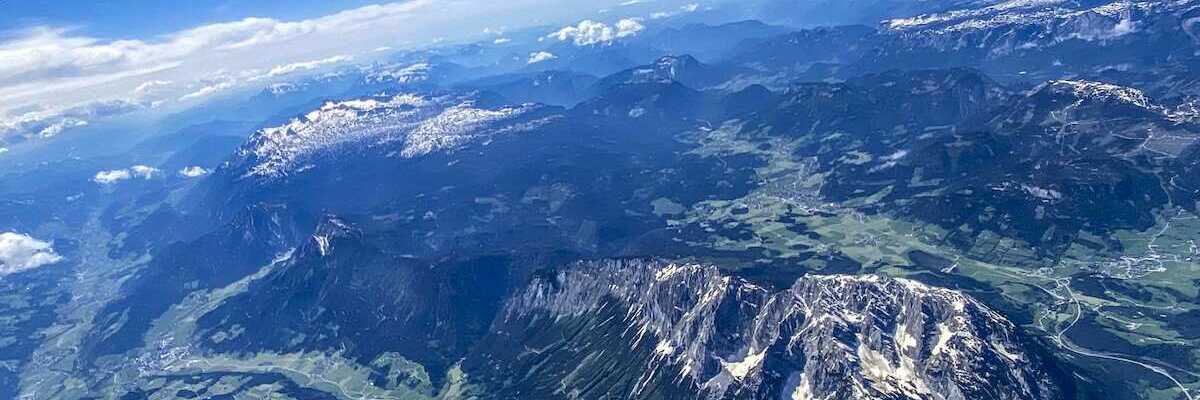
[453, 127]
[1042, 193]
[664, 348]
[740, 369]
[322, 245]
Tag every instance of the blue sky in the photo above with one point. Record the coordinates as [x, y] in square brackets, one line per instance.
[59, 56]
[117, 19]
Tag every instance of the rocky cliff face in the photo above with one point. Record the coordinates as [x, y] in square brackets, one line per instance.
[651, 329]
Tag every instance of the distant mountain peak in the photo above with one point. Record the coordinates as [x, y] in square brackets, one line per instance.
[677, 61]
[1100, 91]
[420, 124]
[1024, 25]
[399, 73]
[827, 337]
[664, 70]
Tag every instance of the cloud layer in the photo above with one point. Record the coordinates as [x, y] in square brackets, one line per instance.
[47, 123]
[20, 252]
[285, 69]
[48, 70]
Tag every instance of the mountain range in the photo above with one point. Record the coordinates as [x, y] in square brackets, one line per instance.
[919, 200]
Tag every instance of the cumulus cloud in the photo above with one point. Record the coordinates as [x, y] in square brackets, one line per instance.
[629, 27]
[142, 171]
[111, 177]
[117, 175]
[19, 252]
[540, 56]
[589, 32]
[193, 172]
[501, 40]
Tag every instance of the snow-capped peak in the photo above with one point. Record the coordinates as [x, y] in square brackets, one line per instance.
[1016, 25]
[1101, 91]
[399, 73]
[839, 336]
[421, 124]
[926, 20]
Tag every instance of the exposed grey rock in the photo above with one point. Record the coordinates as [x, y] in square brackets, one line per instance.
[826, 337]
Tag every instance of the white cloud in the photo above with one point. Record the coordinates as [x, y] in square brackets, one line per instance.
[149, 85]
[142, 171]
[193, 172]
[686, 8]
[541, 56]
[137, 171]
[111, 177]
[3, 150]
[58, 127]
[629, 27]
[47, 53]
[209, 89]
[285, 69]
[20, 252]
[57, 68]
[589, 32]
[501, 40]
[47, 123]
